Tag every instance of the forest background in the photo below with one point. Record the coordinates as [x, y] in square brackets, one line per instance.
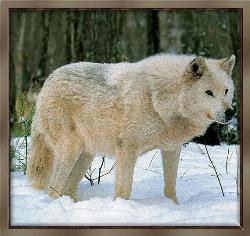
[43, 40]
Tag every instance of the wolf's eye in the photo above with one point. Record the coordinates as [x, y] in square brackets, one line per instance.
[226, 91]
[210, 93]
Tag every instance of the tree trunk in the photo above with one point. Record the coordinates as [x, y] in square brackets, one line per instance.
[19, 62]
[153, 32]
[46, 16]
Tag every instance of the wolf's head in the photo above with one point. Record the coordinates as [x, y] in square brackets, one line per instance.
[208, 90]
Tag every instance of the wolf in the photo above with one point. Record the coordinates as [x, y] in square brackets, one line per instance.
[125, 110]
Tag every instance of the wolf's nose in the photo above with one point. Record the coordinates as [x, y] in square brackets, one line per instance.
[230, 113]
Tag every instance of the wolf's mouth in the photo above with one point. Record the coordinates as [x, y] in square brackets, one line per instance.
[220, 119]
[222, 122]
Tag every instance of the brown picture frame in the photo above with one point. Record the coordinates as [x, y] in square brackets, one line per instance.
[6, 6]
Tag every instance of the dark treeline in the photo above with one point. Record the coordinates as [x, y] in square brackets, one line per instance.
[41, 41]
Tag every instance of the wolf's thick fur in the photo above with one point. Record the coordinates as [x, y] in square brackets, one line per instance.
[124, 110]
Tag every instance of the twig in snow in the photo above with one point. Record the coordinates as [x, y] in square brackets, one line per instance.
[106, 173]
[184, 173]
[26, 146]
[88, 176]
[152, 159]
[153, 171]
[200, 149]
[20, 154]
[89, 179]
[90, 172]
[228, 159]
[100, 170]
[216, 173]
[188, 179]
[238, 171]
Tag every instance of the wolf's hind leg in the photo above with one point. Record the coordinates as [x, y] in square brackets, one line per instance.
[80, 168]
[67, 152]
[170, 160]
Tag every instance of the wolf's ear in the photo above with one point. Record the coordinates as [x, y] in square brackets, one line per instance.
[227, 64]
[197, 67]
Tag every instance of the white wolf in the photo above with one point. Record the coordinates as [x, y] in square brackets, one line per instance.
[125, 110]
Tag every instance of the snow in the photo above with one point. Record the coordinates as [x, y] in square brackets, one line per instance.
[200, 198]
[18, 146]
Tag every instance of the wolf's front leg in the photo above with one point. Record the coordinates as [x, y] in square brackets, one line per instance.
[125, 164]
[170, 160]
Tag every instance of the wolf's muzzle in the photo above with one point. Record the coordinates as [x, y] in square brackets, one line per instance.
[230, 113]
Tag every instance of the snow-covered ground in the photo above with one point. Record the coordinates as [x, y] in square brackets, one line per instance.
[200, 198]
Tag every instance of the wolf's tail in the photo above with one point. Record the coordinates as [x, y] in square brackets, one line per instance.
[39, 163]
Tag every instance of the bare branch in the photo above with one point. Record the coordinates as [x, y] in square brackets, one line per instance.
[216, 173]
[227, 159]
[200, 149]
[89, 179]
[100, 170]
[153, 171]
[106, 173]
[152, 159]
[184, 173]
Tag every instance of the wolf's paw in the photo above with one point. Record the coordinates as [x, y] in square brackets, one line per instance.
[73, 195]
[172, 197]
[122, 194]
[53, 192]
[56, 194]
[175, 199]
